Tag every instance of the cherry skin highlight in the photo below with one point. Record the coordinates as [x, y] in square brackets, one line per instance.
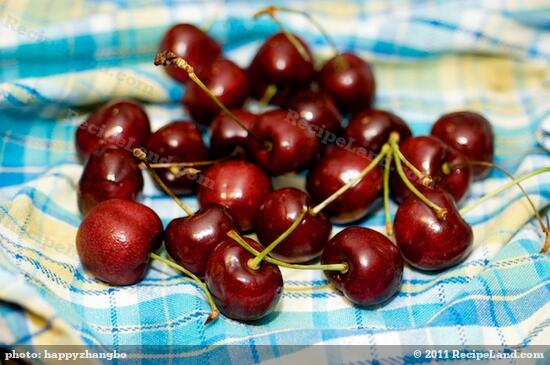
[191, 44]
[471, 134]
[375, 265]
[179, 141]
[277, 213]
[351, 85]
[121, 123]
[318, 109]
[242, 293]
[227, 81]
[191, 240]
[114, 240]
[337, 167]
[240, 186]
[109, 173]
[427, 242]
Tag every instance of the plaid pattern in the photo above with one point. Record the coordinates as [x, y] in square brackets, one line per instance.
[429, 58]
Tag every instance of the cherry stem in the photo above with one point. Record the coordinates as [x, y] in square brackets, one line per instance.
[236, 151]
[139, 153]
[341, 60]
[165, 58]
[389, 225]
[515, 182]
[214, 313]
[322, 205]
[342, 267]
[271, 10]
[255, 262]
[269, 93]
[439, 211]
[425, 180]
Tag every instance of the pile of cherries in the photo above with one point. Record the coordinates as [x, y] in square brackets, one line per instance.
[350, 167]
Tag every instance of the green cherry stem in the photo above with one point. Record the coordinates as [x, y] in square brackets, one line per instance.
[140, 154]
[214, 313]
[342, 267]
[424, 179]
[268, 95]
[387, 168]
[271, 10]
[322, 205]
[165, 58]
[439, 211]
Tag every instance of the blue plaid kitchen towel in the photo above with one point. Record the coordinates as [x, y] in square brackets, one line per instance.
[59, 59]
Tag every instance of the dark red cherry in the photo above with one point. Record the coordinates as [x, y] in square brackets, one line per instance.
[277, 213]
[179, 141]
[114, 240]
[191, 240]
[226, 135]
[121, 123]
[293, 147]
[227, 81]
[469, 133]
[318, 109]
[427, 242]
[193, 45]
[428, 154]
[337, 167]
[350, 84]
[109, 173]
[371, 128]
[375, 266]
[239, 186]
[278, 62]
[240, 292]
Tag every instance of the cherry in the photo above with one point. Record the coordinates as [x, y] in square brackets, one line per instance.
[371, 128]
[280, 63]
[180, 141]
[239, 186]
[227, 81]
[190, 240]
[278, 211]
[318, 109]
[226, 135]
[428, 242]
[121, 123]
[349, 80]
[114, 240]
[240, 292]
[191, 43]
[109, 173]
[292, 147]
[469, 133]
[375, 266]
[430, 156]
[337, 167]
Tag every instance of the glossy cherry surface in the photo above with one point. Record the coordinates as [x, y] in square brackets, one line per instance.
[109, 173]
[179, 141]
[469, 133]
[293, 147]
[240, 292]
[226, 135]
[114, 240]
[318, 109]
[375, 266]
[121, 123]
[227, 81]
[371, 128]
[337, 167]
[191, 240]
[193, 45]
[427, 242]
[350, 84]
[277, 213]
[240, 186]
[428, 154]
